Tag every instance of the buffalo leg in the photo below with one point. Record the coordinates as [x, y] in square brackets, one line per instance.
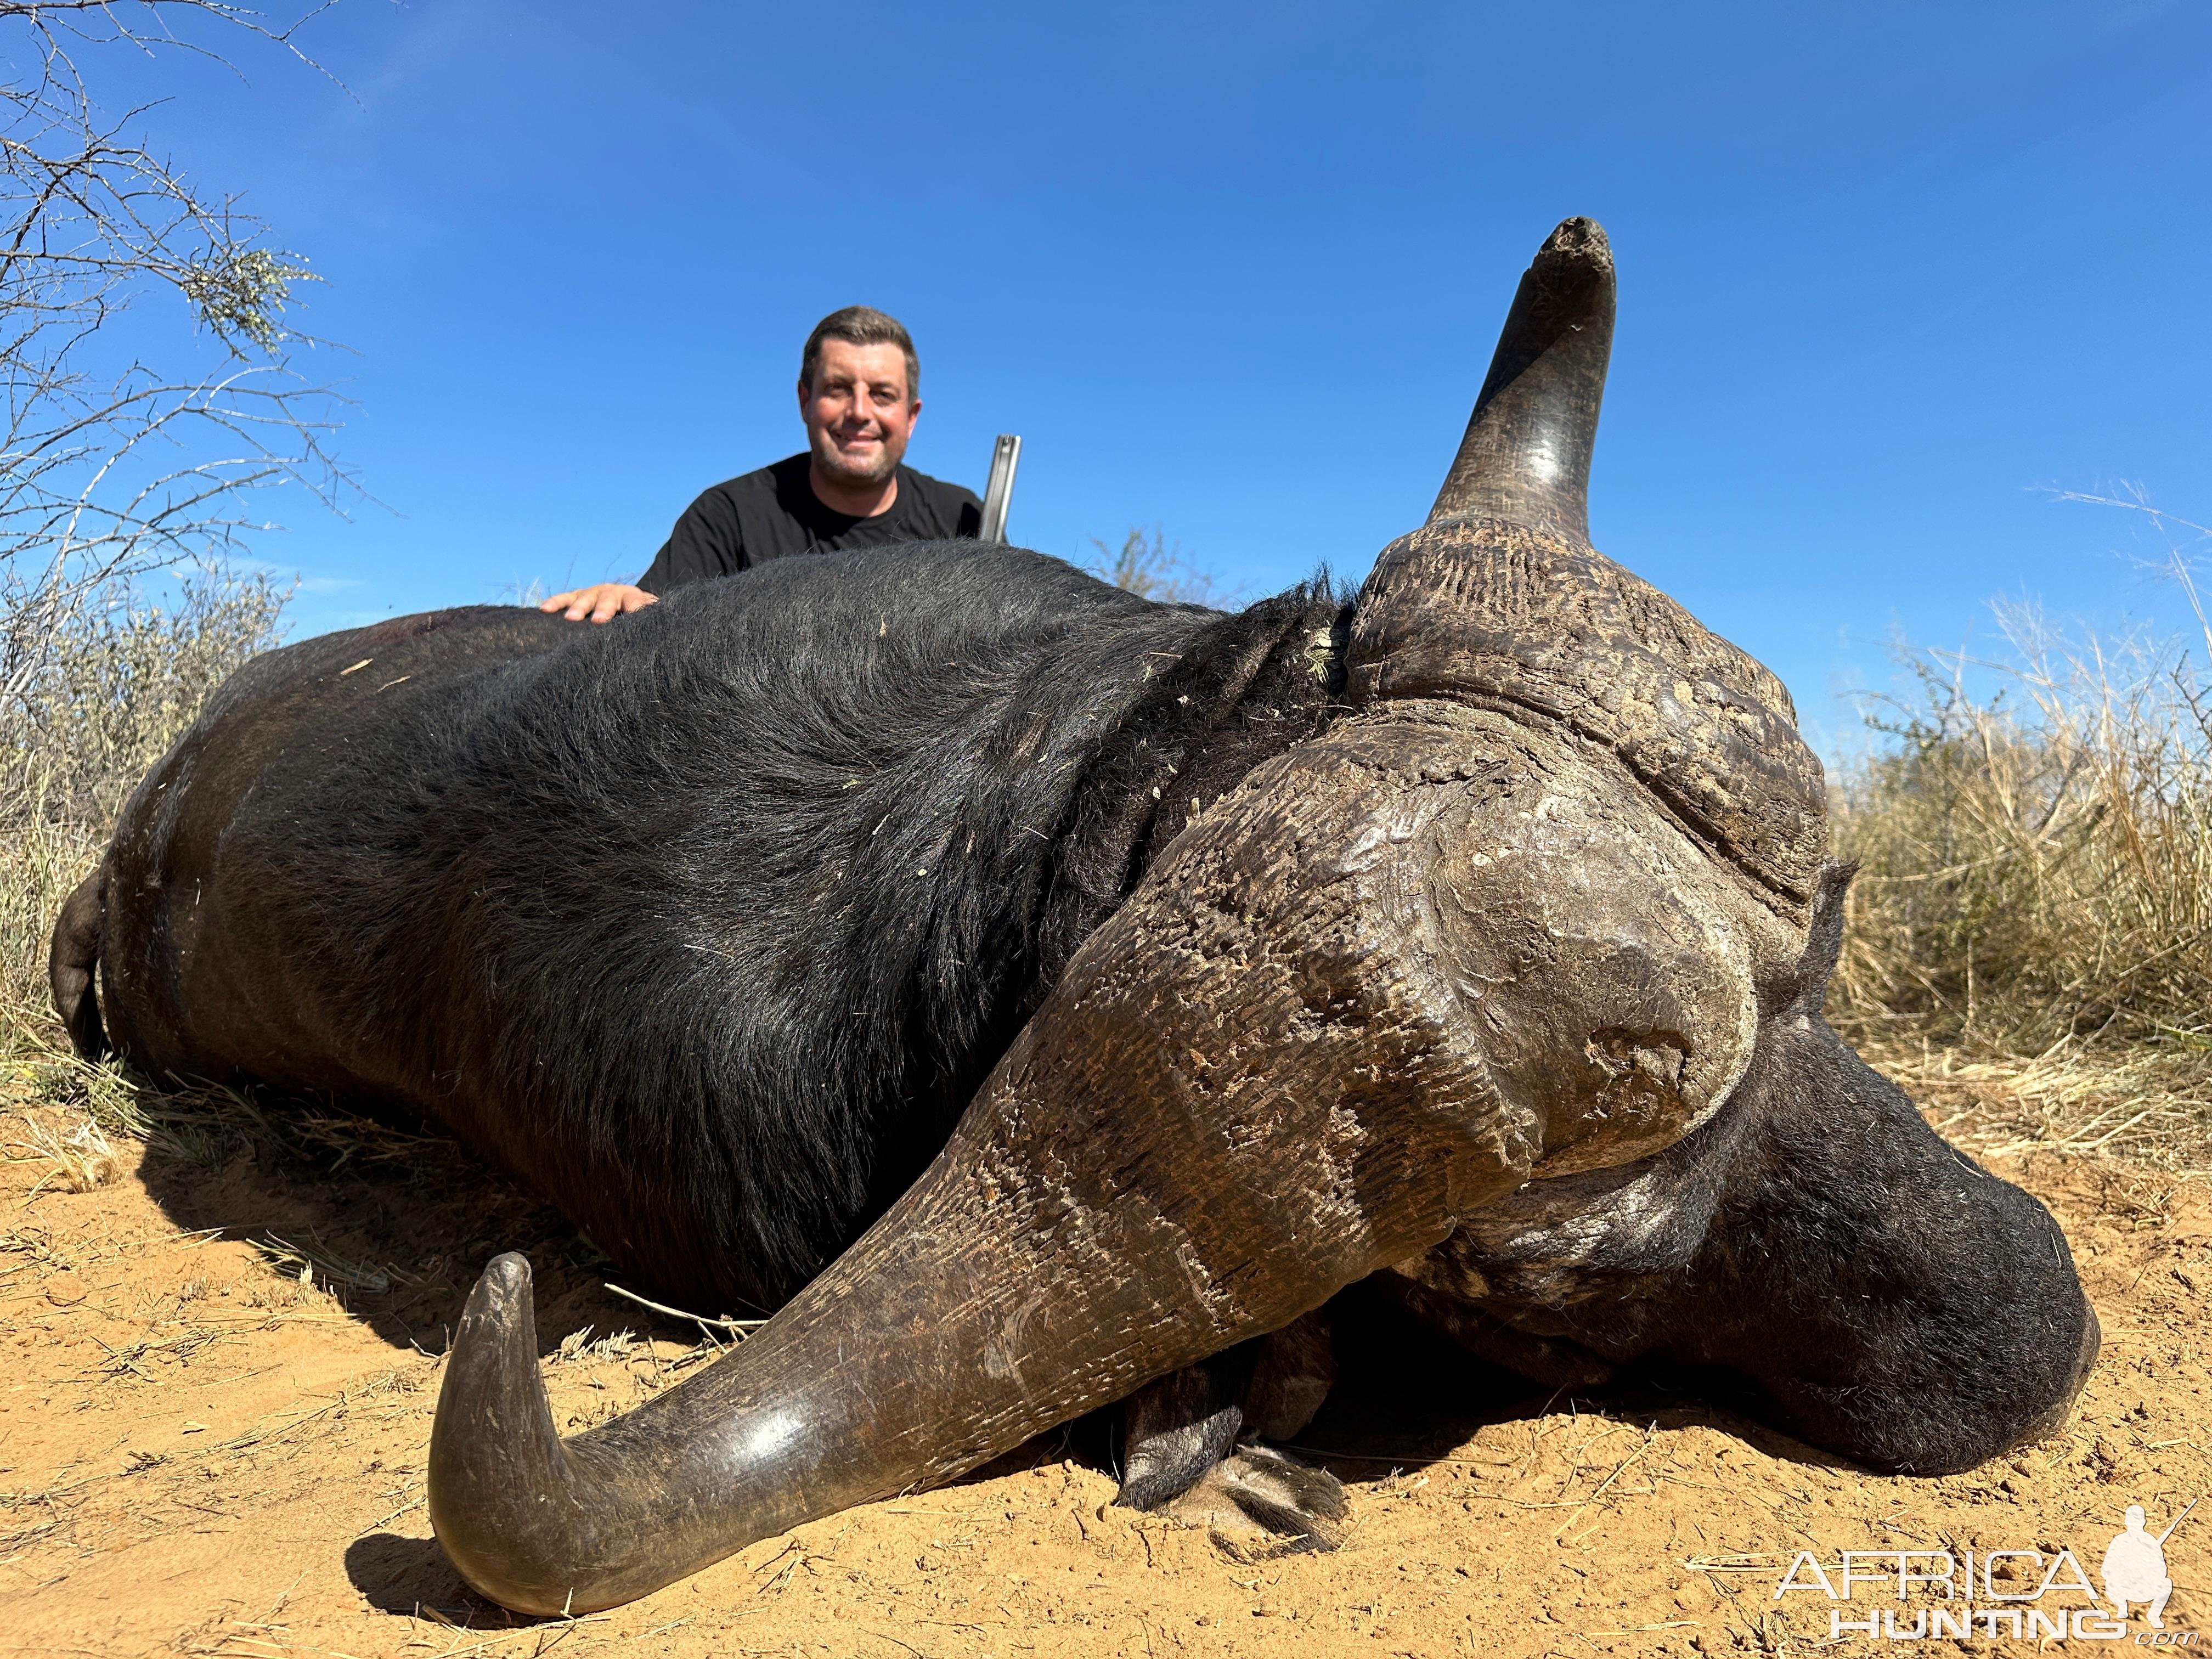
[1292, 1374]
[1180, 1425]
[1183, 1434]
[1257, 1490]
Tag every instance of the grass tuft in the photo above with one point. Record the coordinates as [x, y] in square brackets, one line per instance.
[2032, 923]
[79, 1151]
[116, 686]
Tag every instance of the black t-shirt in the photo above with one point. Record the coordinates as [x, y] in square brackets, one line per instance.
[774, 513]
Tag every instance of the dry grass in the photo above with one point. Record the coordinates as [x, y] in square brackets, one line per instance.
[2032, 926]
[116, 686]
[2146, 1102]
[80, 1153]
[199, 1125]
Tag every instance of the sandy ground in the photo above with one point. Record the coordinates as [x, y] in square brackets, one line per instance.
[202, 1454]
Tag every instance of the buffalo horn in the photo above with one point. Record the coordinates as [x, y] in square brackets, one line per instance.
[1526, 457]
[1152, 1173]
[1498, 600]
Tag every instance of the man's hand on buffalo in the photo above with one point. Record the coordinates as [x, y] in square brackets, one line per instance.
[601, 602]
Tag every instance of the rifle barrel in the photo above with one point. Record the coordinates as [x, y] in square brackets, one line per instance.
[999, 493]
[2178, 1519]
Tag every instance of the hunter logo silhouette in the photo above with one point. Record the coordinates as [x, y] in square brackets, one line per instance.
[2135, 1568]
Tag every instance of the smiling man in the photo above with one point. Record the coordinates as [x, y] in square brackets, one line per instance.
[858, 394]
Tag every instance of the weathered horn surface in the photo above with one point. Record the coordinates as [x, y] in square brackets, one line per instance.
[1500, 600]
[1526, 455]
[1397, 971]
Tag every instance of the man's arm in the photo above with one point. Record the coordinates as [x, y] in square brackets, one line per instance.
[705, 542]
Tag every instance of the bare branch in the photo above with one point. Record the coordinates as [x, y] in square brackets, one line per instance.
[111, 466]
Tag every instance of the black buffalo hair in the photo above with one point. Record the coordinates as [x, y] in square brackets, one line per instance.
[708, 922]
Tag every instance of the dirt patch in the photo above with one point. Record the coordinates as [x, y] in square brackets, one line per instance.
[223, 1360]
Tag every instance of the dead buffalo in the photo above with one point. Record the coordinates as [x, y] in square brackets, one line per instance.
[1145, 976]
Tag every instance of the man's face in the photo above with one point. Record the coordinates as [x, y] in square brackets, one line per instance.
[859, 411]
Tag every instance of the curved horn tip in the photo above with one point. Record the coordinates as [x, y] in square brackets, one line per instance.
[500, 1317]
[506, 1279]
[494, 1450]
[1525, 458]
[1580, 240]
[1573, 271]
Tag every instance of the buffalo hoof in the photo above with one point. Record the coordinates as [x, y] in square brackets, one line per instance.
[1179, 1426]
[1261, 1497]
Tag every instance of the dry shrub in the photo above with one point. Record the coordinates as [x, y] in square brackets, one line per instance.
[118, 683]
[2035, 889]
[1152, 568]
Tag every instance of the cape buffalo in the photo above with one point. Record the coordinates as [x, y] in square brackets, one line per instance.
[1143, 975]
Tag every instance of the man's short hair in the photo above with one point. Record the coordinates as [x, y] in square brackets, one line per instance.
[860, 325]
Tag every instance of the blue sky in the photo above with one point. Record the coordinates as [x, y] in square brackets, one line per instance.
[1889, 273]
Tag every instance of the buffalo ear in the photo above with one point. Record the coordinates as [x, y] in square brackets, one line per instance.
[1805, 992]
